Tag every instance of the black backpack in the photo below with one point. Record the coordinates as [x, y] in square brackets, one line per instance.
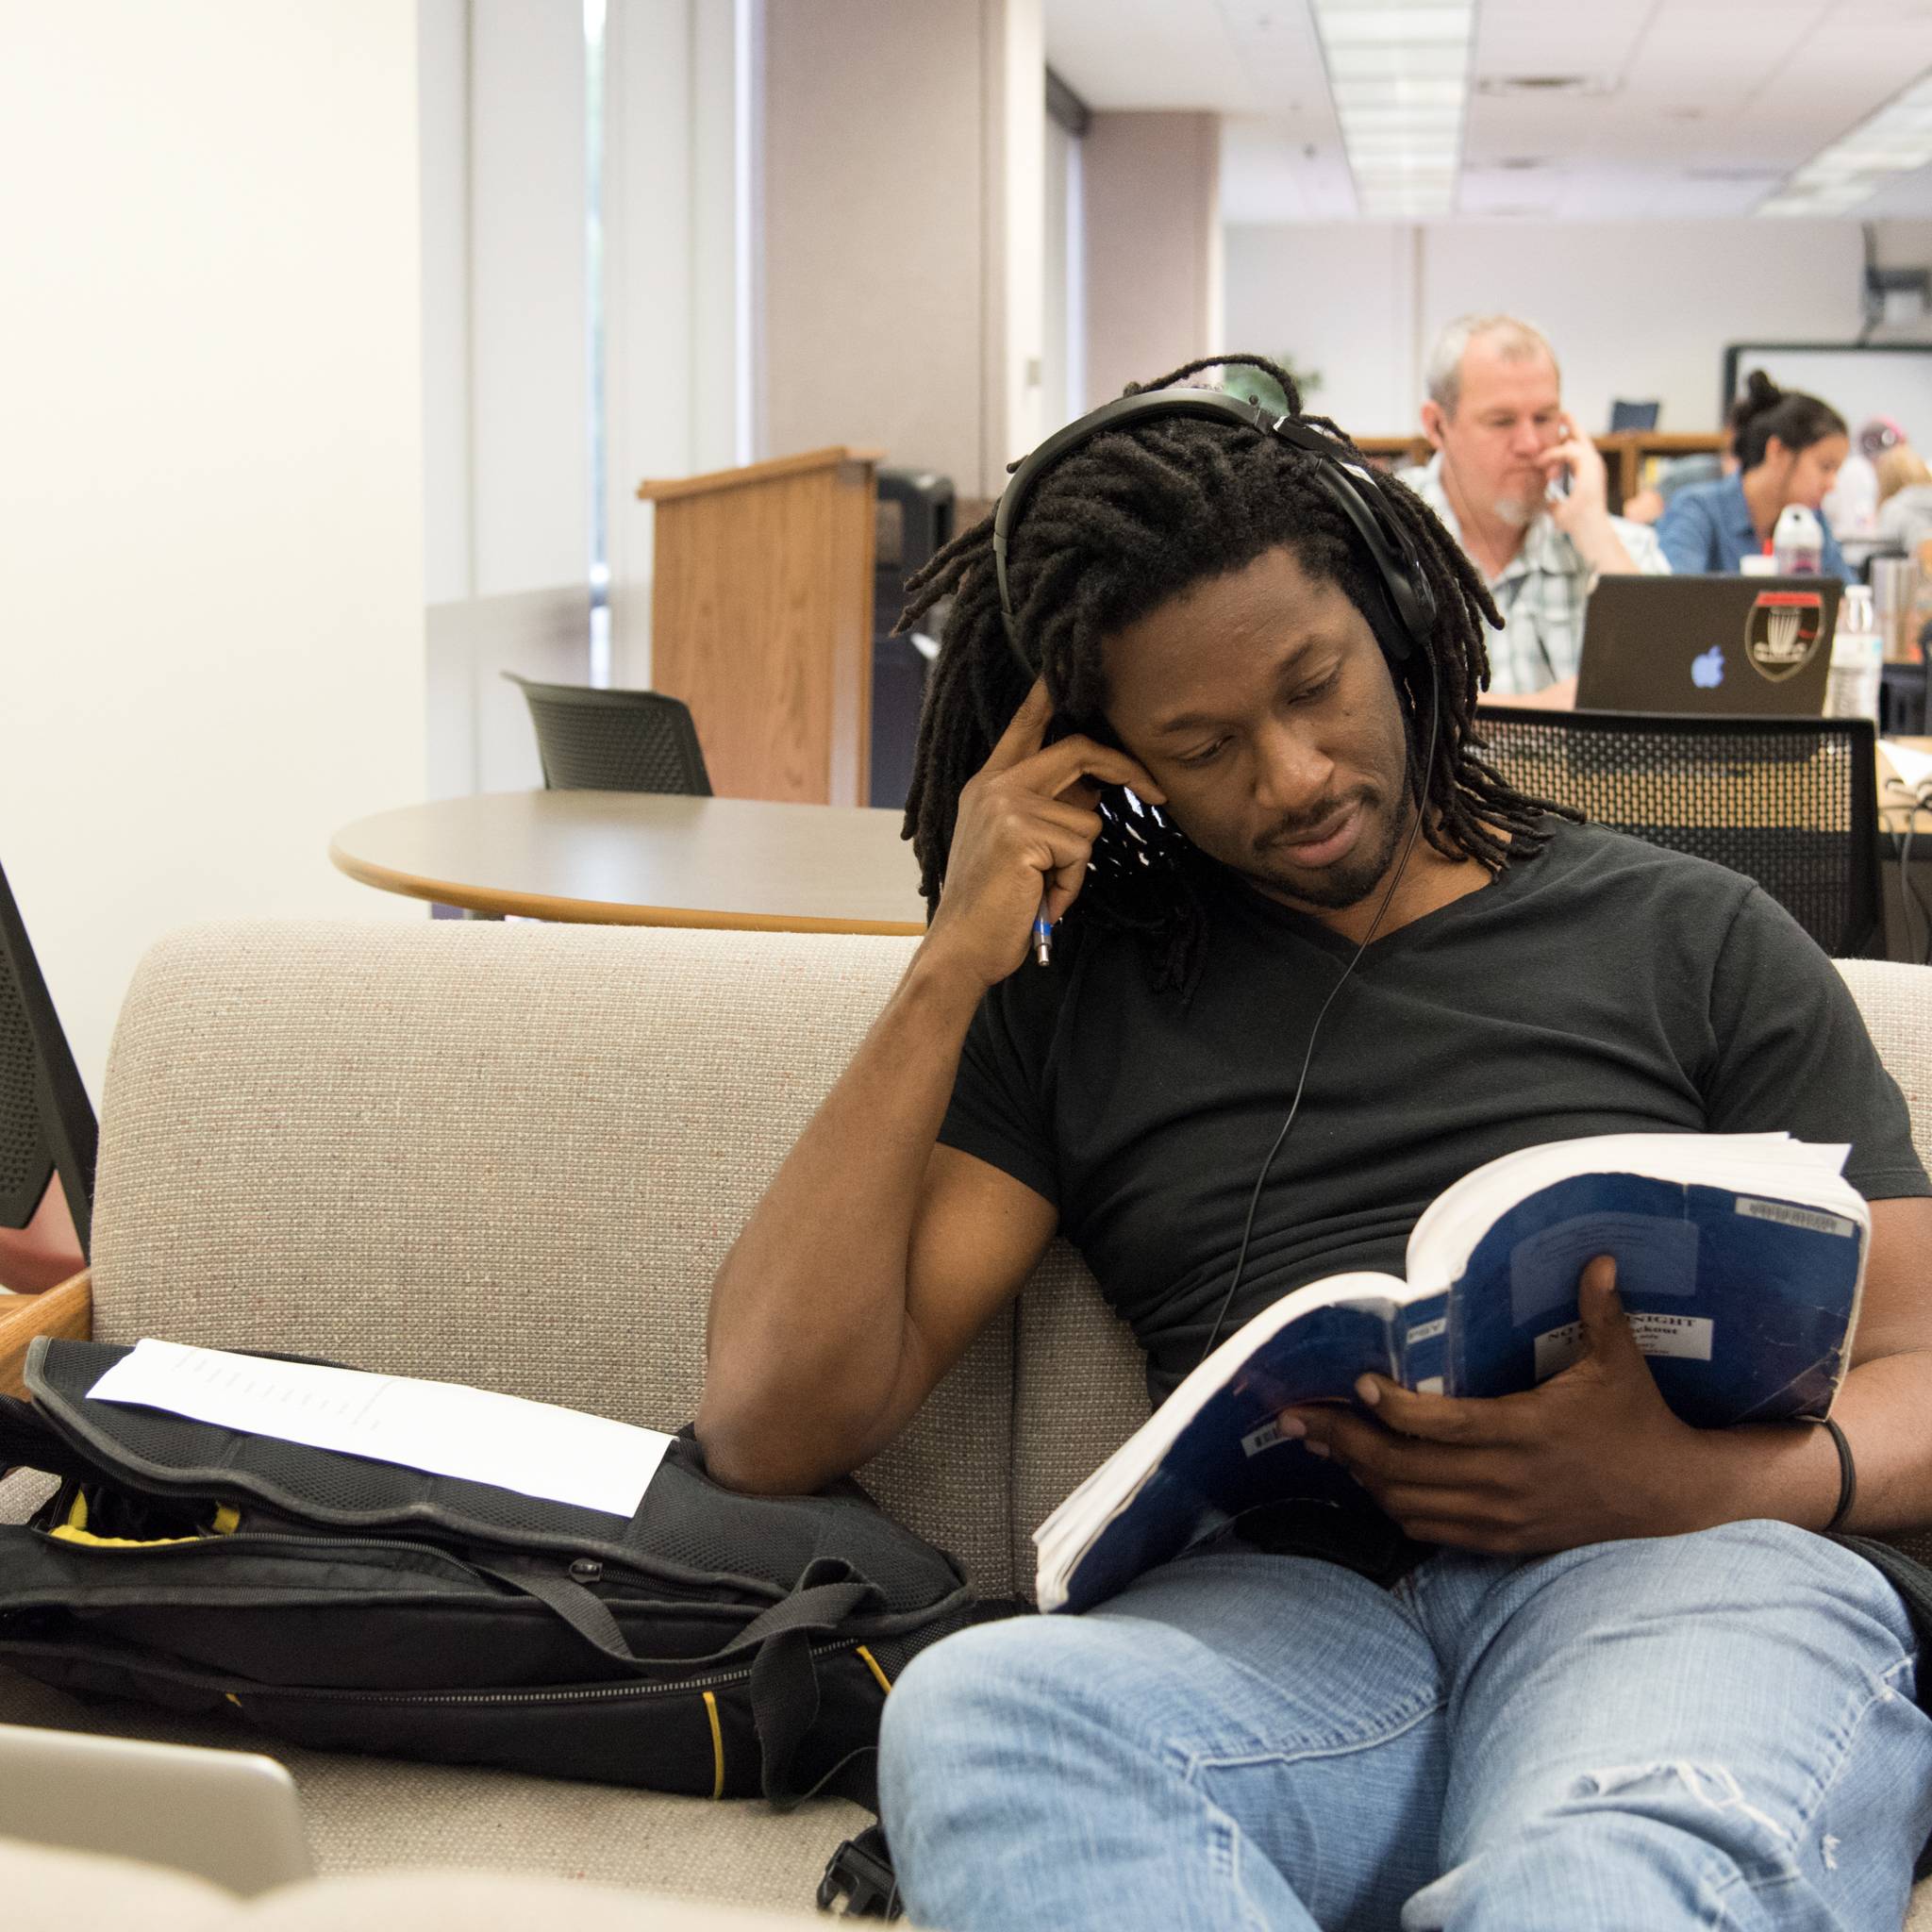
[716, 1644]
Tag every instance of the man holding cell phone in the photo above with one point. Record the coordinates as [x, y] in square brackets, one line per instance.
[1525, 492]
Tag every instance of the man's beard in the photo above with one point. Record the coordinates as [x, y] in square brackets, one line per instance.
[1517, 511]
[1349, 879]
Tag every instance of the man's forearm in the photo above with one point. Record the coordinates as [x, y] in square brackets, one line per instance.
[1790, 1471]
[810, 1303]
[1600, 547]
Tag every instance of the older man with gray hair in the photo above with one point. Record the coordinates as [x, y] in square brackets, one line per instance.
[1524, 492]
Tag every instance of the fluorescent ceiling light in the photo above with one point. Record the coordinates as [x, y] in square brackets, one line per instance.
[1398, 92]
[1383, 148]
[1405, 27]
[1386, 169]
[1398, 73]
[1400, 119]
[1896, 139]
[1817, 203]
[1385, 63]
[1897, 159]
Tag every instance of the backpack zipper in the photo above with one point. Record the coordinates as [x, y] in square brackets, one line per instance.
[253, 1538]
[584, 1694]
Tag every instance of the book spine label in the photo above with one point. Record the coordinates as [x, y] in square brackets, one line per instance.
[1785, 1215]
[1423, 1337]
[1686, 1336]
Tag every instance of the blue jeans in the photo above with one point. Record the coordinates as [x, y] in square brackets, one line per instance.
[1712, 1730]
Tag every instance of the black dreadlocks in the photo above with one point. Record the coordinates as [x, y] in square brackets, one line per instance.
[1118, 528]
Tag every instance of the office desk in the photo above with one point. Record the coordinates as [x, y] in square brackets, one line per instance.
[642, 859]
[1904, 872]
[645, 859]
[1890, 802]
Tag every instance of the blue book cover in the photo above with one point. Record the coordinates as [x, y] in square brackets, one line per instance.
[1742, 1284]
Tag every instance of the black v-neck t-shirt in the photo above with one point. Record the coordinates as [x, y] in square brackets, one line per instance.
[1598, 986]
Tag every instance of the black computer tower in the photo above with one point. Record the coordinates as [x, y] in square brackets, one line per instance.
[915, 521]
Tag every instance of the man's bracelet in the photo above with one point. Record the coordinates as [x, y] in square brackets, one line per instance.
[1847, 1478]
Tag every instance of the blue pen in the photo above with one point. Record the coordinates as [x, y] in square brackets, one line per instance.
[1042, 937]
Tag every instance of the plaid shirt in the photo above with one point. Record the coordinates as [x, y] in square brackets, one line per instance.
[1540, 593]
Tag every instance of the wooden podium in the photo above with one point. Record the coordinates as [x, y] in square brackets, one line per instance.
[761, 621]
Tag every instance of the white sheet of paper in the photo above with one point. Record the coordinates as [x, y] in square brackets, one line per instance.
[534, 1448]
[1914, 767]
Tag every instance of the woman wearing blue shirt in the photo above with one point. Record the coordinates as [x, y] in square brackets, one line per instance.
[1790, 447]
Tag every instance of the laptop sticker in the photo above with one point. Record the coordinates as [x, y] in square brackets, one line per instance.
[1783, 631]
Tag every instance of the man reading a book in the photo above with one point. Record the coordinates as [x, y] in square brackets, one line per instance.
[1560, 1658]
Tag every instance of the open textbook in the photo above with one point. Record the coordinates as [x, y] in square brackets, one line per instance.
[1739, 1260]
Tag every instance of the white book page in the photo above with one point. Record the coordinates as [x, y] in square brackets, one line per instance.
[533, 1448]
[1078, 1521]
[1913, 767]
[1804, 1172]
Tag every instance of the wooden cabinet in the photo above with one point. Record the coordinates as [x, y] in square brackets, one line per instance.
[761, 621]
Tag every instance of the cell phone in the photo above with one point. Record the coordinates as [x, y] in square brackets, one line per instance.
[1558, 488]
[1135, 835]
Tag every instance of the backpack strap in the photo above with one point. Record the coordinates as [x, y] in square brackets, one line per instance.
[784, 1674]
[583, 1610]
[809, 1608]
[859, 1882]
[812, 1606]
[28, 1441]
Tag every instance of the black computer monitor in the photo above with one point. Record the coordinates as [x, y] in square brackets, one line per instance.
[1632, 416]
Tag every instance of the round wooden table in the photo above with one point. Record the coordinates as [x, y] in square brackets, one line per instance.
[645, 859]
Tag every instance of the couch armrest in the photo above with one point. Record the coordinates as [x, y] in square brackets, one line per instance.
[67, 1310]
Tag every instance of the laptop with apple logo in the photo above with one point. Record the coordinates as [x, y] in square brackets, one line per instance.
[1728, 645]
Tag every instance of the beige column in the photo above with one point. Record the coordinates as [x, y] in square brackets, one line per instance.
[900, 280]
[1153, 229]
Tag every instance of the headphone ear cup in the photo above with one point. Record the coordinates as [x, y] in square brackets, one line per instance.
[1418, 620]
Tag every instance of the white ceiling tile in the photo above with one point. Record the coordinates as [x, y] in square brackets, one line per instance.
[1700, 93]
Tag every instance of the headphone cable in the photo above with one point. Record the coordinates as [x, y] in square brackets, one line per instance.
[1315, 1031]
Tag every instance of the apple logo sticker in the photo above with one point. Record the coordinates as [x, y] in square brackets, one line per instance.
[1707, 670]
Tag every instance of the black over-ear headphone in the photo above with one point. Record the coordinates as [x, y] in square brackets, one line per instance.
[1340, 475]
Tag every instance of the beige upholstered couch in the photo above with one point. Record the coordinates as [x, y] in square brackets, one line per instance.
[514, 1155]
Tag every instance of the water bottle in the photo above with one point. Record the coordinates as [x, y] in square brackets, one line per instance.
[1798, 542]
[1857, 658]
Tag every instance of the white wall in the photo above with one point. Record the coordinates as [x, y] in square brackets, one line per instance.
[530, 429]
[1338, 299]
[505, 336]
[212, 572]
[1015, 342]
[506, 415]
[442, 29]
[675, 255]
[1636, 309]
[1061, 285]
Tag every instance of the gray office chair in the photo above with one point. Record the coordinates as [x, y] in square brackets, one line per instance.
[614, 740]
[1790, 802]
[46, 1120]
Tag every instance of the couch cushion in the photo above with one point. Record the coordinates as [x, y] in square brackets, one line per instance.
[1896, 1001]
[369, 1814]
[1079, 1391]
[512, 1155]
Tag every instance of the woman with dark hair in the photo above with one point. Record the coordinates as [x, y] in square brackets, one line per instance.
[1790, 447]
